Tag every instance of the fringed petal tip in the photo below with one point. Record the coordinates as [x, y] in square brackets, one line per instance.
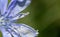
[27, 31]
[37, 32]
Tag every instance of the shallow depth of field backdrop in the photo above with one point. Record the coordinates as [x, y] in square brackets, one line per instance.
[44, 16]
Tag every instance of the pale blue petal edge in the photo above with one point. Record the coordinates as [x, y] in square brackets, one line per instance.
[3, 6]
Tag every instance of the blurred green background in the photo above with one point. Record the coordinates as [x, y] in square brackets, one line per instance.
[44, 16]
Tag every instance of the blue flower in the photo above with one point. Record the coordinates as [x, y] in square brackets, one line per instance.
[9, 13]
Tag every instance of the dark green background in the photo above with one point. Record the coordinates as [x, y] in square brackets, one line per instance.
[44, 16]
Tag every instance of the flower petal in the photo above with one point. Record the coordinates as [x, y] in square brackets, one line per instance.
[23, 30]
[3, 6]
[12, 32]
[5, 33]
[17, 6]
[19, 16]
[8, 32]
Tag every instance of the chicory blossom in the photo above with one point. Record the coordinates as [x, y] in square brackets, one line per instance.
[11, 12]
